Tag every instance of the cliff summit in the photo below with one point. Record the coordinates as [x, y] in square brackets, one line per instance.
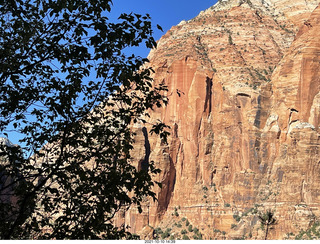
[244, 129]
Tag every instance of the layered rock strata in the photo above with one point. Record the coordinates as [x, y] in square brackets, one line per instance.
[244, 122]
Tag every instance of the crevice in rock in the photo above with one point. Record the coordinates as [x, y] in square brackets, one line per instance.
[276, 44]
[202, 51]
[244, 95]
[175, 130]
[167, 188]
[144, 164]
[258, 14]
[182, 155]
[208, 100]
[257, 121]
[235, 47]
[291, 119]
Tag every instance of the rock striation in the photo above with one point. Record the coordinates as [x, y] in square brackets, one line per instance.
[244, 122]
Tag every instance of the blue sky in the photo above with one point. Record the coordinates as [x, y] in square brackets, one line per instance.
[166, 13]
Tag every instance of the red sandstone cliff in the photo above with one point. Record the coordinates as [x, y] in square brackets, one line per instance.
[245, 130]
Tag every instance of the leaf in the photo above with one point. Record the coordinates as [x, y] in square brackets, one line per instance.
[159, 28]
[72, 94]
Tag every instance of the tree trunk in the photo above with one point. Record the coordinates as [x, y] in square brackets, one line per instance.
[267, 229]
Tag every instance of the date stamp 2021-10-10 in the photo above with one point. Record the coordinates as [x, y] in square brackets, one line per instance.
[159, 241]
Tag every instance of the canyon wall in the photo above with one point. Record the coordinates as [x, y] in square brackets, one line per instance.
[244, 122]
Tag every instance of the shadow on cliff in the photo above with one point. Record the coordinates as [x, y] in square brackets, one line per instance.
[168, 175]
[144, 164]
[168, 183]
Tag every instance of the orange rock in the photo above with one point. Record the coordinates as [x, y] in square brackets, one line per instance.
[244, 130]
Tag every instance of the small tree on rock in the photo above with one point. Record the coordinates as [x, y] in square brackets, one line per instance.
[268, 220]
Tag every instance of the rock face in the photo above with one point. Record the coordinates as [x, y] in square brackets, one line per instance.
[244, 124]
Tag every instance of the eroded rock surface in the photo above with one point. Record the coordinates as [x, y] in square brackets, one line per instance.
[245, 124]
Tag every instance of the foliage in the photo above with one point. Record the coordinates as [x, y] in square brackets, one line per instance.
[196, 230]
[158, 230]
[313, 233]
[176, 212]
[69, 89]
[190, 229]
[230, 40]
[166, 234]
[185, 237]
[197, 236]
[237, 217]
[233, 226]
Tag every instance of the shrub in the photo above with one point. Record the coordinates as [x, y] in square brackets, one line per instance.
[197, 236]
[227, 205]
[176, 212]
[158, 230]
[183, 219]
[187, 222]
[183, 232]
[230, 40]
[237, 217]
[164, 235]
[190, 228]
[185, 237]
[179, 225]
